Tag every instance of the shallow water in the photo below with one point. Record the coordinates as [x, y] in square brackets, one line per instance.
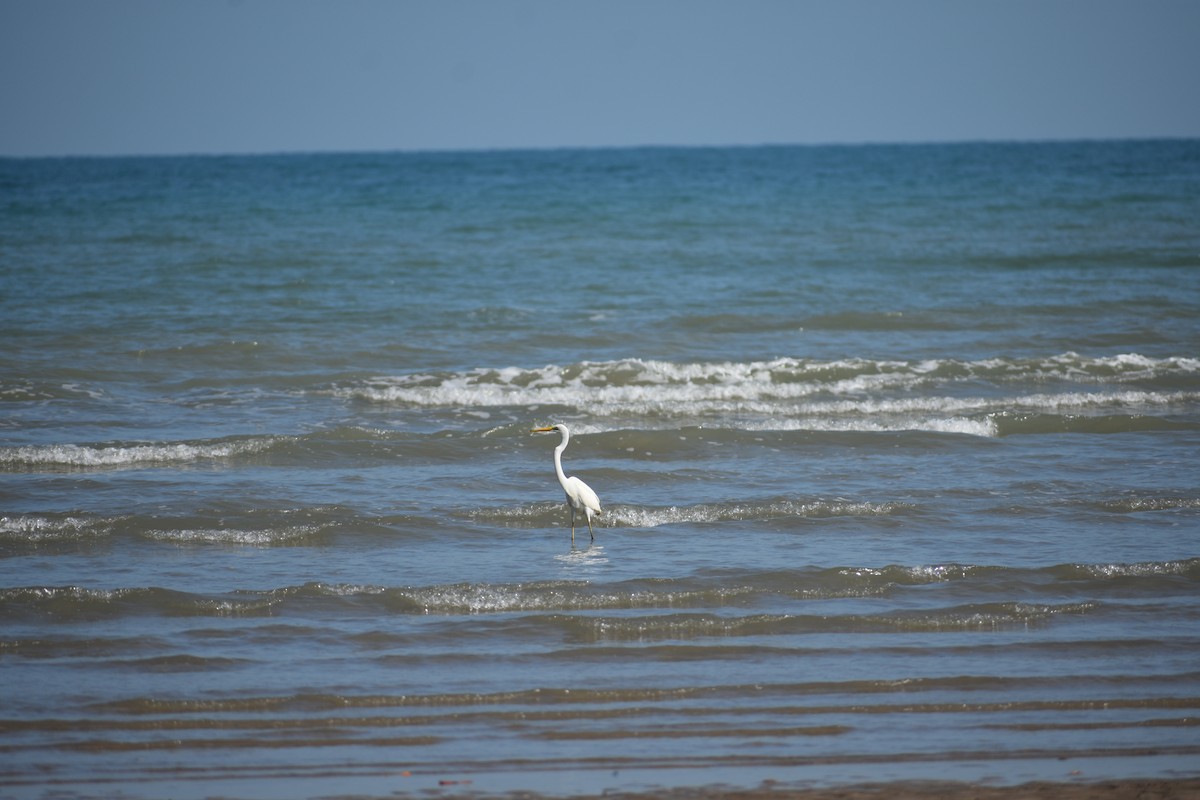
[896, 448]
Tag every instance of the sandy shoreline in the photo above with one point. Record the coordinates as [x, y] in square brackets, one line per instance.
[1129, 789]
[475, 788]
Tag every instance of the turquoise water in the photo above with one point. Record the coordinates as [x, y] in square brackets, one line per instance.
[896, 448]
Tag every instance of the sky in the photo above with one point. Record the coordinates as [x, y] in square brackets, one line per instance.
[150, 77]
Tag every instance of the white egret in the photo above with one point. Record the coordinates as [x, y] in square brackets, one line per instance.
[580, 496]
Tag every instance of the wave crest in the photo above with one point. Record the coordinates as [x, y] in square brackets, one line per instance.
[940, 395]
[117, 454]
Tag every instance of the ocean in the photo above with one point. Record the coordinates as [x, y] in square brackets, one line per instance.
[897, 449]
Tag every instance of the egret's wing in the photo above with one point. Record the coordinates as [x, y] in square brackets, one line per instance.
[583, 494]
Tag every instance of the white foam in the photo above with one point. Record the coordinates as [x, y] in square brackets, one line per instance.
[799, 394]
[959, 425]
[635, 517]
[101, 455]
[232, 536]
[1141, 569]
[649, 383]
[36, 528]
[946, 414]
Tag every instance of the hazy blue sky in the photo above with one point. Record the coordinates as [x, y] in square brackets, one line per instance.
[184, 76]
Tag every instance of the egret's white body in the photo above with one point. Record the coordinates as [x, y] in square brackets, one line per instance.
[580, 496]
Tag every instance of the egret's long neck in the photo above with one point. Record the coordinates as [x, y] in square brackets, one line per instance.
[562, 476]
[558, 451]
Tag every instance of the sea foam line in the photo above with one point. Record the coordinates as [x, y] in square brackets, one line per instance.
[650, 372]
[235, 536]
[780, 407]
[103, 455]
[635, 385]
[30, 528]
[719, 512]
[653, 517]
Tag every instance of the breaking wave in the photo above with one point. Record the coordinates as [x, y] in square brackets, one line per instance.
[118, 454]
[724, 590]
[703, 513]
[969, 397]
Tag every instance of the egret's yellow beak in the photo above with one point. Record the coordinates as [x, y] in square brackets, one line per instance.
[542, 430]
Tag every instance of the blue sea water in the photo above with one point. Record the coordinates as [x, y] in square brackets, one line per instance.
[897, 450]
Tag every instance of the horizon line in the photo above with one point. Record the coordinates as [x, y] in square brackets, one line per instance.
[250, 153]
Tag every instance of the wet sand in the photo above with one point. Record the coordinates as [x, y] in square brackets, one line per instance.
[1133, 789]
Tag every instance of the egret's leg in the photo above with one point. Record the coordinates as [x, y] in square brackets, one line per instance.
[572, 524]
